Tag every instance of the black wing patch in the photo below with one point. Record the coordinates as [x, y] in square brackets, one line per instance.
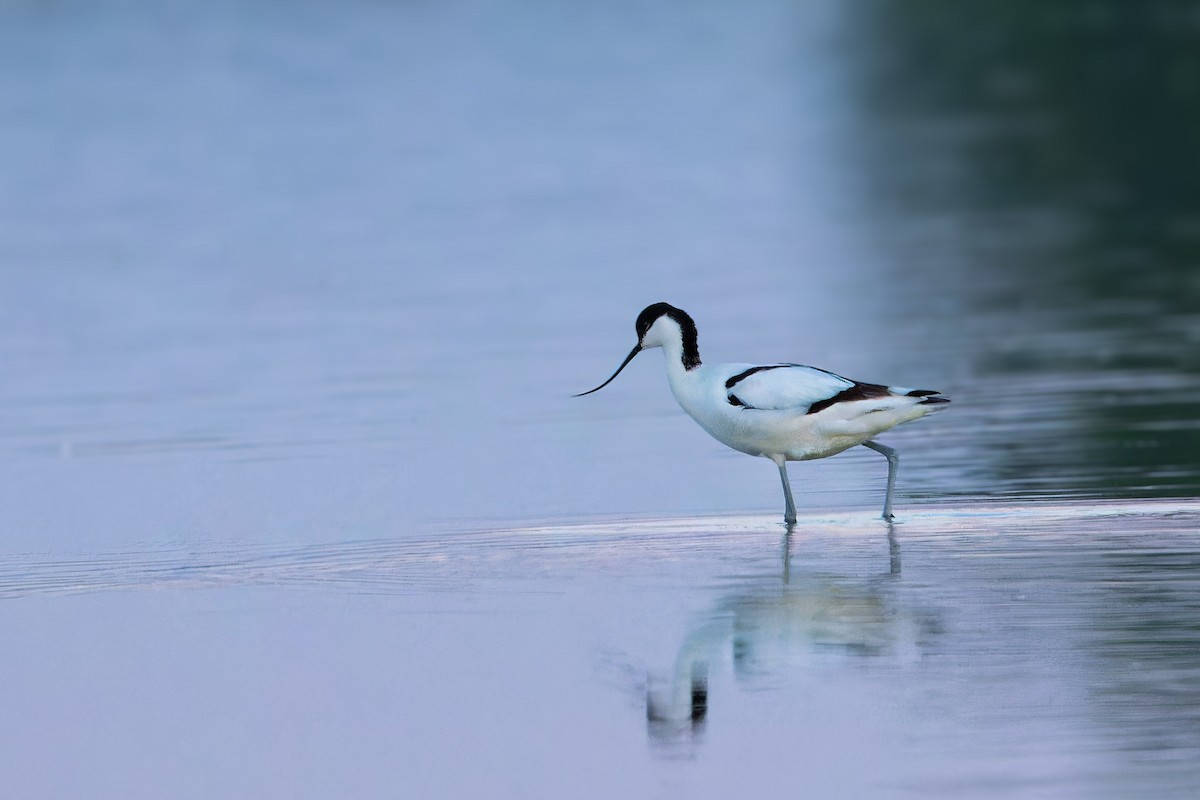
[741, 376]
[859, 391]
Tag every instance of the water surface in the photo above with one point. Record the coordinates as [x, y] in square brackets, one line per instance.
[295, 499]
[1003, 651]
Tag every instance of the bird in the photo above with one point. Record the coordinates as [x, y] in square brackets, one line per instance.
[783, 412]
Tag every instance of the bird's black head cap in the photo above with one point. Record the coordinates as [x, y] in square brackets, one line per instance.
[651, 313]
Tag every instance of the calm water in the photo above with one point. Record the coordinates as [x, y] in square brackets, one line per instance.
[293, 297]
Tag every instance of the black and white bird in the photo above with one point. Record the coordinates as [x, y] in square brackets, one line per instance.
[784, 412]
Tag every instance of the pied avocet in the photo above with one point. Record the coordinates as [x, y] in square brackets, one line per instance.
[784, 412]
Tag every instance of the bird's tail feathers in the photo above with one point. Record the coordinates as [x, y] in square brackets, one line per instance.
[928, 397]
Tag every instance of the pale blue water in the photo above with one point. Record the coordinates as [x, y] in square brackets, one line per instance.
[295, 500]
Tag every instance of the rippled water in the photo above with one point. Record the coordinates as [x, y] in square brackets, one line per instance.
[293, 298]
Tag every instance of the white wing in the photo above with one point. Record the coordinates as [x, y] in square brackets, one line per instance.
[785, 387]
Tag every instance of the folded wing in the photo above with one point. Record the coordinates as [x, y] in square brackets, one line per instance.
[794, 387]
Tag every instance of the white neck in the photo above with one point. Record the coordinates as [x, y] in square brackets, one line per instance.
[673, 350]
[679, 377]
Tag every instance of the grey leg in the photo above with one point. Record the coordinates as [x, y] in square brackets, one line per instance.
[893, 466]
[893, 549]
[789, 511]
[787, 555]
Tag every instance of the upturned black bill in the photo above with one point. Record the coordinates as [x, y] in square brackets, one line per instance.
[636, 349]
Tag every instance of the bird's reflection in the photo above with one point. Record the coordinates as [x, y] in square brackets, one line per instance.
[770, 628]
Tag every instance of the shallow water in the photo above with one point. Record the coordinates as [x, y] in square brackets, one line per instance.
[293, 297]
[1000, 651]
